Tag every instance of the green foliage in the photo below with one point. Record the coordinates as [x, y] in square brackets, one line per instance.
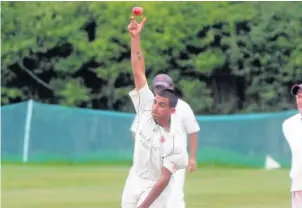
[73, 93]
[225, 57]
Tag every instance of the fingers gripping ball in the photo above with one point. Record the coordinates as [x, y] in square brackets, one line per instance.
[135, 27]
[137, 11]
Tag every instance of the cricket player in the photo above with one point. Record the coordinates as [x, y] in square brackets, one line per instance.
[190, 127]
[292, 129]
[158, 151]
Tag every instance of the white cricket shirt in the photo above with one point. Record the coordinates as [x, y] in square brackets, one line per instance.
[185, 114]
[154, 147]
[292, 129]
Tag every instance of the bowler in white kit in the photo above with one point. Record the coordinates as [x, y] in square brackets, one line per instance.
[190, 127]
[292, 129]
[159, 150]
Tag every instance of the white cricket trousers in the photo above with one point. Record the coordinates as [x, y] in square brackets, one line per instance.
[176, 196]
[297, 199]
[137, 189]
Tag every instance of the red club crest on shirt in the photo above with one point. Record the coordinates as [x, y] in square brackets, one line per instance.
[162, 139]
[174, 166]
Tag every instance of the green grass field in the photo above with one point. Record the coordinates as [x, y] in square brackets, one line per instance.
[101, 187]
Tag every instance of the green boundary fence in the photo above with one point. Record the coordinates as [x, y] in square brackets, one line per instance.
[34, 132]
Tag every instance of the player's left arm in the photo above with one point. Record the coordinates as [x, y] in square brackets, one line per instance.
[192, 129]
[177, 160]
[158, 188]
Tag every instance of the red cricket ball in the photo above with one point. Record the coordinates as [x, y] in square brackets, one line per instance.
[137, 11]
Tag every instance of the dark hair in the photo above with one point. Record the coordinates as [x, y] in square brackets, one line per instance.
[171, 95]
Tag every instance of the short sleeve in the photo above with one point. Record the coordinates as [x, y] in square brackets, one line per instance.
[134, 125]
[177, 160]
[142, 99]
[189, 120]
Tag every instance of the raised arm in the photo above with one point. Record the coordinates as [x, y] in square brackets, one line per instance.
[142, 97]
[137, 57]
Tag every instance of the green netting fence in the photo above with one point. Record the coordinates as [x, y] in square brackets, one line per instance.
[34, 132]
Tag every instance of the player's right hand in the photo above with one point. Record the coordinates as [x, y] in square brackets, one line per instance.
[135, 28]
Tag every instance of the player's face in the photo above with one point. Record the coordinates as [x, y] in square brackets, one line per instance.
[161, 108]
[299, 100]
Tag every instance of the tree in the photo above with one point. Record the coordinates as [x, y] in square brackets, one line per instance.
[225, 57]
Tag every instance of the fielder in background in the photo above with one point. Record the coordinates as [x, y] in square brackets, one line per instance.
[190, 127]
[292, 129]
